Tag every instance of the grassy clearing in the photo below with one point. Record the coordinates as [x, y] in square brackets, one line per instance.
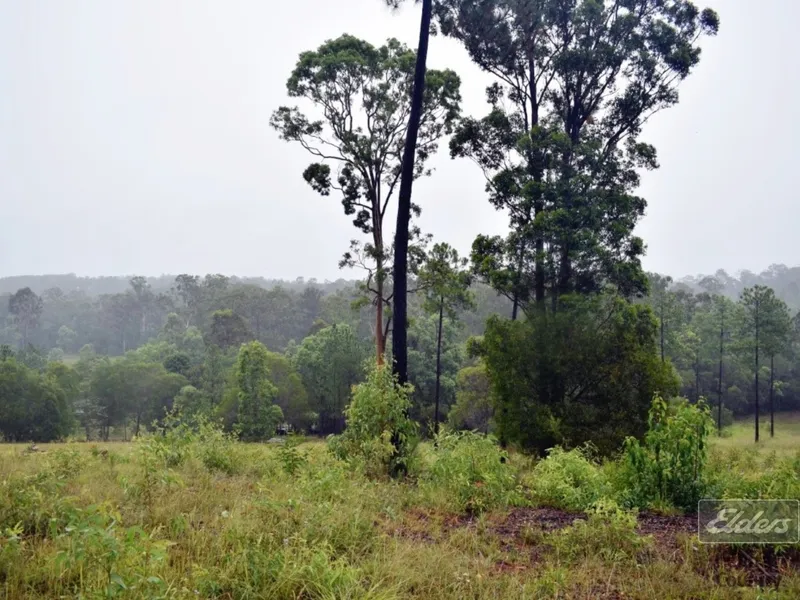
[214, 518]
[786, 441]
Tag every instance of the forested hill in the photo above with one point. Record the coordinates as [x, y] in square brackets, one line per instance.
[784, 280]
[117, 314]
[118, 284]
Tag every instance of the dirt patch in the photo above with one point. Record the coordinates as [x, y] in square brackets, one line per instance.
[750, 565]
[523, 534]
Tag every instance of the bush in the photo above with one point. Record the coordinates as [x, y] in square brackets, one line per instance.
[586, 372]
[379, 435]
[472, 473]
[609, 532]
[570, 480]
[669, 467]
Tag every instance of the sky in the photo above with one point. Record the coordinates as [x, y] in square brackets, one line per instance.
[135, 139]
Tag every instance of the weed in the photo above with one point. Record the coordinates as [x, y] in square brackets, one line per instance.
[568, 479]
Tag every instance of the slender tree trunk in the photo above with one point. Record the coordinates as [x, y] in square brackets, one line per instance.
[138, 418]
[757, 406]
[719, 382]
[772, 395]
[380, 347]
[400, 313]
[661, 320]
[438, 367]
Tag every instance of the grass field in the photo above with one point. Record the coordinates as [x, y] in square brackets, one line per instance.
[220, 519]
[785, 442]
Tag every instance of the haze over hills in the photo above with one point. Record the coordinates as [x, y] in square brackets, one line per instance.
[783, 279]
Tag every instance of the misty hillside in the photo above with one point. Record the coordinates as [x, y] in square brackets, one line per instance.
[781, 278]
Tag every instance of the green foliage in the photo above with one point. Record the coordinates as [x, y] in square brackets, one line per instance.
[379, 437]
[564, 164]
[361, 93]
[258, 417]
[191, 403]
[471, 473]
[290, 457]
[422, 343]
[587, 372]
[291, 395]
[570, 480]
[474, 407]
[330, 362]
[609, 532]
[33, 406]
[668, 468]
[178, 362]
[228, 329]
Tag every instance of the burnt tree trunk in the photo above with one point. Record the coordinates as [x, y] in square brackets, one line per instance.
[400, 313]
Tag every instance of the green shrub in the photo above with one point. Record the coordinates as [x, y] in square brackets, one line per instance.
[471, 472]
[379, 436]
[216, 449]
[609, 532]
[669, 467]
[568, 480]
[292, 460]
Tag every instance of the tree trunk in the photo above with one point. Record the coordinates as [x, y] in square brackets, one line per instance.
[138, 418]
[380, 347]
[400, 314]
[438, 367]
[772, 396]
[719, 383]
[757, 407]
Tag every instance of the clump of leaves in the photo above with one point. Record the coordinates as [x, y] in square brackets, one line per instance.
[669, 466]
[380, 436]
[216, 449]
[608, 532]
[570, 480]
[472, 472]
[292, 460]
[65, 463]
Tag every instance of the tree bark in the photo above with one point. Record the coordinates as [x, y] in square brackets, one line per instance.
[757, 407]
[380, 345]
[400, 313]
[438, 367]
[772, 395]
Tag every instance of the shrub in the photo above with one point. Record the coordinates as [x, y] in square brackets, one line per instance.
[669, 467]
[609, 532]
[292, 460]
[472, 472]
[570, 480]
[380, 436]
[216, 449]
[586, 372]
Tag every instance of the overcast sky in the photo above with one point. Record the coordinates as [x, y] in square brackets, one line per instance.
[134, 139]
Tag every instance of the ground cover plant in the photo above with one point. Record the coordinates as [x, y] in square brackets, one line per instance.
[189, 512]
